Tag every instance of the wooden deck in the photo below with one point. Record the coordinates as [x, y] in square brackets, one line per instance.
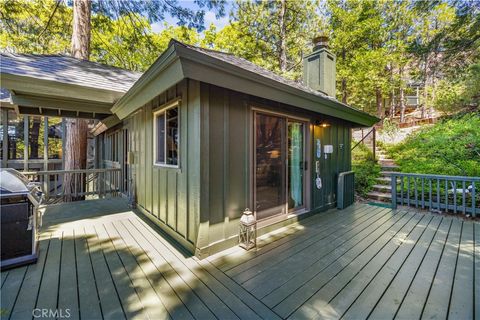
[100, 260]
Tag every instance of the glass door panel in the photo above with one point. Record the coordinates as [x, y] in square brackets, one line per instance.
[296, 163]
[270, 169]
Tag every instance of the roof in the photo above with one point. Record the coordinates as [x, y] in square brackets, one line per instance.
[252, 67]
[181, 61]
[68, 70]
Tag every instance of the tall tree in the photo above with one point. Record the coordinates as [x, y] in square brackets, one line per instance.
[274, 33]
[77, 129]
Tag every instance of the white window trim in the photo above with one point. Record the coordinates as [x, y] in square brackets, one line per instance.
[158, 111]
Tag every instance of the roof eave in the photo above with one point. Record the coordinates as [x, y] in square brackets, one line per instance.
[150, 83]
[57, 89]
[192, 61]
[179, 62]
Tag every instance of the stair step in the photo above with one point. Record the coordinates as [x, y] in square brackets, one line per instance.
[386, 163]
[382, 187]
[387, 173]
[384, 180]
[389, 168]
[381, 196]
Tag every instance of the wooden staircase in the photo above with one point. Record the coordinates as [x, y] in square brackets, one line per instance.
[382, 190]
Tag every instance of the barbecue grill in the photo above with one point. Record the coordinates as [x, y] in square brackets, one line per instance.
[19, 201]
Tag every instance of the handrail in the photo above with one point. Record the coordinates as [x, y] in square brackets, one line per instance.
[439, 193]
[81, 184]
[373, 130]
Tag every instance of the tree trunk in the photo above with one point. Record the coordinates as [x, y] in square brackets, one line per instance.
[81, 29]
[283, 35]
[77, 129]
[402, 98]
[425, 86]
[33, 138]
[344, 81]
[392, 104]
[379, 98]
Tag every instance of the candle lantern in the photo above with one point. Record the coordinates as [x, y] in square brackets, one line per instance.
[247, 236]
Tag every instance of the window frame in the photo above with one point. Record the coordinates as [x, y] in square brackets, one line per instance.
[162, 110]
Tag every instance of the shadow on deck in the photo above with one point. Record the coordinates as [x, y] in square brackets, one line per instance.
[99, 260]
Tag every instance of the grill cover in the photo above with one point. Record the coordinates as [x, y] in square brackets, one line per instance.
[12, 183]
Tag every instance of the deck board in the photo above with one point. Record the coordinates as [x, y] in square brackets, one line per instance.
[477, 270]
[263, 283]
[384, 296]
[27, 295]
[391, 282]
[132, 306]
[321, 268]
[415, 298]
[89, 301]
[175, 273]
[208, 297]
[10, 291]
[48, 293]
[100, 260]
[273, 261]
[461, 302]
[109, 300]
[156, 273]
[147, 294]
[364, 266]
[68, 294]
[438, 299]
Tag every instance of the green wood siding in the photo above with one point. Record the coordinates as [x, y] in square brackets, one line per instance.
[200, 202]
[170, 195]
[226, 154]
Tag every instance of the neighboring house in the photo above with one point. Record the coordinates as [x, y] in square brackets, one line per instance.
[205, 134]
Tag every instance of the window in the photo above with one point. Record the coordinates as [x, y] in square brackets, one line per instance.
[166, 136]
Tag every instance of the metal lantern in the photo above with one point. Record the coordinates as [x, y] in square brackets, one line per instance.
[247, 236]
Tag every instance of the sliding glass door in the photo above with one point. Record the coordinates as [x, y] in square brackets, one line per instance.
[279, 165]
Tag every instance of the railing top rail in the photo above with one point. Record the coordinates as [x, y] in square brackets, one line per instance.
[434, 176]
[71, 171]
[341, 174]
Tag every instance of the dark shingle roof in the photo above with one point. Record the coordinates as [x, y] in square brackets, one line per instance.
[68, 70]
[247, 65]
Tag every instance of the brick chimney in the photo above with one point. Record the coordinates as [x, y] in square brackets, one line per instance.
[319, 72]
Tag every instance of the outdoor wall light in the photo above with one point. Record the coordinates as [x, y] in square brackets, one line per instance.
[322, 123]
[247, 236]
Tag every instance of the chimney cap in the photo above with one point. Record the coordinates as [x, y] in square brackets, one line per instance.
[320, 41]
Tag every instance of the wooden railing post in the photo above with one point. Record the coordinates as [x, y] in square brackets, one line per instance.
[394, 190]
[474, 209]
[374, 143]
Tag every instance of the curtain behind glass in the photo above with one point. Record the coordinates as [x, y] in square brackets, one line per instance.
[295, 161]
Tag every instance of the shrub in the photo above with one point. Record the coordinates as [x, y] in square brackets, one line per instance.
[366, 169]
[450, 147]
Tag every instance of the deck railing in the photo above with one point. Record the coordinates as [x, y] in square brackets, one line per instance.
[84, 184]
[436, 192]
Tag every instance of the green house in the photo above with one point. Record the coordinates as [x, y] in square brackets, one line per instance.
[202, 135]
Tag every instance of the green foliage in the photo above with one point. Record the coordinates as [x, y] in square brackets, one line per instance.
[450, 147]
[125, 41]
[458, 93]
[117, 42]
[272, 34]
[366, 169]
[28, 26]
